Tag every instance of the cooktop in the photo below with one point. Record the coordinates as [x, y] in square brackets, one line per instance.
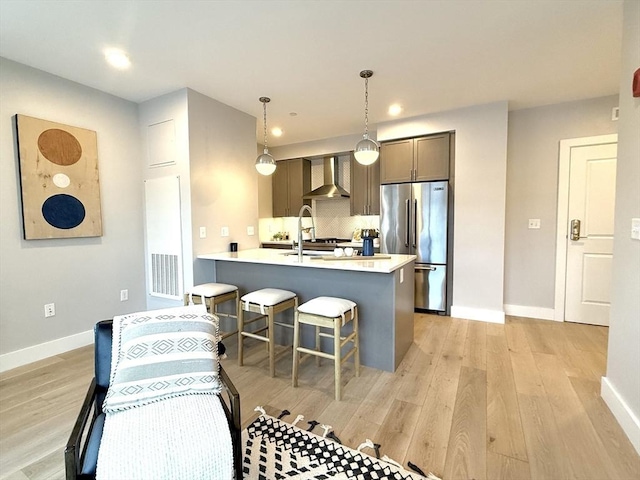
[329, 240]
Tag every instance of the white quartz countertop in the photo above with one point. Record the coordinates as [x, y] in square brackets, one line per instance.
[274, 256]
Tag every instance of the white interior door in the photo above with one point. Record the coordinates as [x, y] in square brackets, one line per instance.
[592, 181]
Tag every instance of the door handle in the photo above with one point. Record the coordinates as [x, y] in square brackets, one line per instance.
[408, 222]
[415, 222]
[432, 269]
[575, 230]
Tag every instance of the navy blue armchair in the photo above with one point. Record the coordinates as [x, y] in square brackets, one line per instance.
[81, 451]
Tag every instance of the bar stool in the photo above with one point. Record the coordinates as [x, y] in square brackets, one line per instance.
[212, 295]
[267, 302]
[333, 313]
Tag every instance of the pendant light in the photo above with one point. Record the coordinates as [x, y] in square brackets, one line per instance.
[367, 150]
[265, 163]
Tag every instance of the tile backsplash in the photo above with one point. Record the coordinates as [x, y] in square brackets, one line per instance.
[332, 217]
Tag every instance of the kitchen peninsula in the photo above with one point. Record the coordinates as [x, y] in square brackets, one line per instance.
[382, 288]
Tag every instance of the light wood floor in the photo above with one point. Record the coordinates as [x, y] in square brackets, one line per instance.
[470, 400]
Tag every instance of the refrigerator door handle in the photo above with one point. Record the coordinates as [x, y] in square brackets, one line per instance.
[421, 267]
[415, 222]
[408, 222]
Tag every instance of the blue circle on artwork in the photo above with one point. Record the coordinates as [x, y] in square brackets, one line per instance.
[63, 211]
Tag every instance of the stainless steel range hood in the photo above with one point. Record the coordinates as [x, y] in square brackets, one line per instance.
[331, 188]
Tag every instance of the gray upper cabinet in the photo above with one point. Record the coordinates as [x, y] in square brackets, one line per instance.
[365, 188]
[419, 159]
[290, 181]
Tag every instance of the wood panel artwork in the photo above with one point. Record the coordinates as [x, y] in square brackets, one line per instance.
[59, 180]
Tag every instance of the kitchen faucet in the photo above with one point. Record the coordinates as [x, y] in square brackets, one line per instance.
[313, 229]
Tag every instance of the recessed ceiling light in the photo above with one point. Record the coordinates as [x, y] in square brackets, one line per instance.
[395, 109]
[276, 131]
[117, 58]
[293, 114]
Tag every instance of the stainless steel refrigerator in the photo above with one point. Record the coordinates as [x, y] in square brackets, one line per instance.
[414, 220]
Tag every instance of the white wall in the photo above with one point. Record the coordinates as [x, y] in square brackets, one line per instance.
[172, 106]
[82, 276]
[480, 186]
[621, 386]
[215, 155]
[345, 143]
[224, 181]
[532, 192]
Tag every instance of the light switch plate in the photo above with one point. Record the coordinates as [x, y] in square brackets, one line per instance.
[250, 231]
[224, 232]
[635, 228]
[534, 223]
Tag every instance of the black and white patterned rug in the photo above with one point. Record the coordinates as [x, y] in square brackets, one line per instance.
[276, 450]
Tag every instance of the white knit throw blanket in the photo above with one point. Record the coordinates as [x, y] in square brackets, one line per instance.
[181, 438]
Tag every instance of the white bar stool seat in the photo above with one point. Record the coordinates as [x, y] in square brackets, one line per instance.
[332, 313]
[267, 302]
[212, 295]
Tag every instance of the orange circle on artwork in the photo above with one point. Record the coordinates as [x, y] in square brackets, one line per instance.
[59, 147]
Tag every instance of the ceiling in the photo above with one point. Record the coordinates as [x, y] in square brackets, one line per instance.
[427, 55]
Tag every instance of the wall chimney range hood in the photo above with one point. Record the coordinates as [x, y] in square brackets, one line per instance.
[331, 188]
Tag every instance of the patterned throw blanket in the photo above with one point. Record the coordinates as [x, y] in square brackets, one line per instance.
[180, 438]
[277, 450]
[163, 417]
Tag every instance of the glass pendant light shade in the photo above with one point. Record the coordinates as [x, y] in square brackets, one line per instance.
[367, 151]
[265, 163]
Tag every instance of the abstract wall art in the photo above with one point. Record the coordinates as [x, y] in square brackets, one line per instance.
[59, 180]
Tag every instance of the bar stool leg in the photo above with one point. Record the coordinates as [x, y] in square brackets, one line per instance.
[240, 335]
[296, 344]
[271, 344]
[318, 340]
[356, 343]
[337, 355]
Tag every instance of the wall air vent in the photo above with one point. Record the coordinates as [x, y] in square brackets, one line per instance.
[165, 275]
[164, 264]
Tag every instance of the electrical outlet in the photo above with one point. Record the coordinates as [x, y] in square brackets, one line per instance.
[250, 231]
[49, 310]
[534, 223]
[203, 232]
[224, 232]
[124, 295]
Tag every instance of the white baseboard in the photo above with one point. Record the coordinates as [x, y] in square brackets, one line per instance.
[625, 416]
[48, 349]
[491, 316]
[530, 312]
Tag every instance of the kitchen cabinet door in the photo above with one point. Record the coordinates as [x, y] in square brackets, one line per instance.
[374, 189]
[290, 181]
[280, 189]
[396, 161]
[299, 184]
[431, 158]
[365, 188]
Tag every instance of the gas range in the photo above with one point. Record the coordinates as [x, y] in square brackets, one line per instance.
[326, 244]
[328, 240]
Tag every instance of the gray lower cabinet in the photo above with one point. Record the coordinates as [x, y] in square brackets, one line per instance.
[290, 181]
[420, 159]
[365, 188]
